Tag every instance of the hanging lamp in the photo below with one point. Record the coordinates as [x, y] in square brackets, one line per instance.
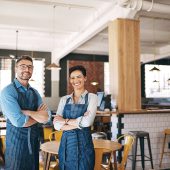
[16, 49]
[168, 82]
[53, 66]
[155, 69]
[94, 82]
[155, 81]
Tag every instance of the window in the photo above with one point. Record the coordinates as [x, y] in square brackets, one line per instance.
[37, 80]
[156, 82]
[5, 72]
[38, 77]
[106, 78]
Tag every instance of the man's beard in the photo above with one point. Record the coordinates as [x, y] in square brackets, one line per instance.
[22, 77]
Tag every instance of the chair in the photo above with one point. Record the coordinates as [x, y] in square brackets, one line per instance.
[2, 150]
[47, 131]
[103, 153]
[128, 142]
[166, 132]
[102, 159]
[56, 135]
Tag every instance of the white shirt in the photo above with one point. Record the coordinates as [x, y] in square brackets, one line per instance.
[85, 121]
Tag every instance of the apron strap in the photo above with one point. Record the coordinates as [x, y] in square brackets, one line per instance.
[67, 101]
[29, 141]
[29, 129]
[86, 99]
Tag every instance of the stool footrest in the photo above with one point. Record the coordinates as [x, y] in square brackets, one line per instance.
[139, 159]
[141, 136]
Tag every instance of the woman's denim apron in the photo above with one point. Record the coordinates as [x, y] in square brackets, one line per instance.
[22, 144]
[76, 150]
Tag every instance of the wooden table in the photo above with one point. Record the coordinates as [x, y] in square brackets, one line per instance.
[49, 148]
[110, 145]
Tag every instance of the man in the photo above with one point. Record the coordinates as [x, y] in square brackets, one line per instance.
[22, 106]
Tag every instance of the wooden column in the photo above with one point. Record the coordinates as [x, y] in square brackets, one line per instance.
[124, 62]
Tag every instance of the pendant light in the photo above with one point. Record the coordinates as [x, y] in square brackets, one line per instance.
[154, 69]
[94, 82]
[32, 55]
[168, 81]
[53, 66]
[16, 49]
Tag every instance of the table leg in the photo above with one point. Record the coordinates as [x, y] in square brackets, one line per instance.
[45, 160]
[48, 161]
[115, 160]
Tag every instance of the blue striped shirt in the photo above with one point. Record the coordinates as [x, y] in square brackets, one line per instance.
[10, 106]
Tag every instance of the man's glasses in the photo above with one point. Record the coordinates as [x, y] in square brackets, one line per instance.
[24, 67]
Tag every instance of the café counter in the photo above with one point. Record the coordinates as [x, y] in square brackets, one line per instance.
[141, 111]
[152, 120]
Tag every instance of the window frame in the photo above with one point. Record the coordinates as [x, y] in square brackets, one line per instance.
[36, 55]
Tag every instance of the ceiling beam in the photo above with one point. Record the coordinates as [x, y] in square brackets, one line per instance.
[98, 24]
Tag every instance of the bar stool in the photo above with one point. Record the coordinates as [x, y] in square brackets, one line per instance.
[141, 135]
[166, 132]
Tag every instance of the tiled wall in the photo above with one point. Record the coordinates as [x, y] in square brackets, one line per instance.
[152, 123]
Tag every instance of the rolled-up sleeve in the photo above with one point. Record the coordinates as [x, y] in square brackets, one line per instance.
[40, 102]
[86, 121]
[11, 108]
[60, 109]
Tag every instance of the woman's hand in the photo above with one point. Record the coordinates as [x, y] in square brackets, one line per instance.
[87, 113]
[68, 127]
[26, 112]
[59, 119]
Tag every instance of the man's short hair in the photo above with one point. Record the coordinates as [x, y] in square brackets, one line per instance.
[78, 67]
[24, 57]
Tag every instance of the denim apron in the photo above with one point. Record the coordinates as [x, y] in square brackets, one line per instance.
[76, 150]
[22, 143]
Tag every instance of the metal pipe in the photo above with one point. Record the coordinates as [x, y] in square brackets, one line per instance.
[145, 5]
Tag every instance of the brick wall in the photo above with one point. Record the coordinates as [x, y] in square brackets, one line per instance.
[95, 71]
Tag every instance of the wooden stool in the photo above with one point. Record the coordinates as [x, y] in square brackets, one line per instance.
[166, 132]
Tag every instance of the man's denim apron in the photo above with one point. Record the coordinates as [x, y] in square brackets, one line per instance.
[76, 150]
[22, 144]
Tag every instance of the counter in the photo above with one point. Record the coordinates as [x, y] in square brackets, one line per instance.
[145, 111]
[152, 121]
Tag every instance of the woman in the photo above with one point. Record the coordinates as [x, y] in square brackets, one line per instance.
[75, 115]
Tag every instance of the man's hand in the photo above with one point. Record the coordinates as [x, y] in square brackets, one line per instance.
[41, 115]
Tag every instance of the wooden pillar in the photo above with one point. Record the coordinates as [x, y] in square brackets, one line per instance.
[124, 63]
